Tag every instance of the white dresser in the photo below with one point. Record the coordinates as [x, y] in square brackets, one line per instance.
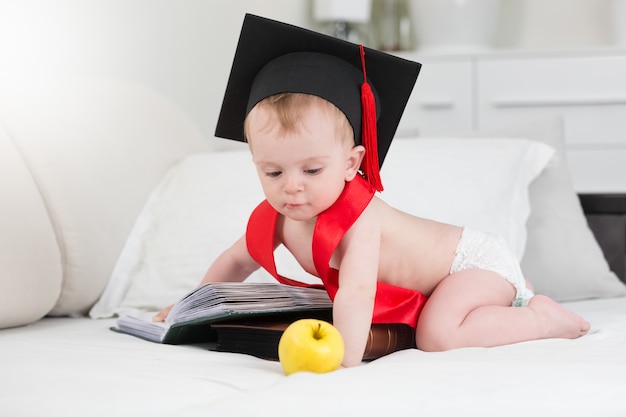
[587, 88]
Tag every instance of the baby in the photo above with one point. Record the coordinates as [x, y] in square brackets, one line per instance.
[455, 286]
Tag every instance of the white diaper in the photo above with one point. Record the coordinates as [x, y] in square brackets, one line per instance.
[477, 250]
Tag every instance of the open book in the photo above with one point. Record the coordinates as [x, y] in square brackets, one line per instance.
[191, 318]
[250, 318]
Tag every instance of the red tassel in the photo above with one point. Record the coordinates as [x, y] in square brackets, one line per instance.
[369, 136]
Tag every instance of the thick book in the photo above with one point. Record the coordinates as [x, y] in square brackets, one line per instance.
[260, 337]
[192, 318]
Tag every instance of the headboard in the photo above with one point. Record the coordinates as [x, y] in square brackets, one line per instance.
[606, 216]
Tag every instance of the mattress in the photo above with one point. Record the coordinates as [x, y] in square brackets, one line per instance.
[78, 367]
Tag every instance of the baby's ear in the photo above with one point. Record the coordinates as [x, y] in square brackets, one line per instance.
[353, 163]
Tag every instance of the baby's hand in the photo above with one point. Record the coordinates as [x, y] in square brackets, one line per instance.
[162, 315]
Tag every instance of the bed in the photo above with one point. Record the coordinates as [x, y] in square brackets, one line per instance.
[110, 197]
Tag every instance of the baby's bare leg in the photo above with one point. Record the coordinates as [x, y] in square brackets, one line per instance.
[473, 308]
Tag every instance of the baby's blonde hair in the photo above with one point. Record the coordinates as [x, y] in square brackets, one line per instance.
[288, 109]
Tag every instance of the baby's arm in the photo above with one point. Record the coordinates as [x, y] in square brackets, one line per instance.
[234, 264]
[354, 302]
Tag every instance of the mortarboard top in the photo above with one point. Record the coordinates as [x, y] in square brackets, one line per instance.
[274, 57]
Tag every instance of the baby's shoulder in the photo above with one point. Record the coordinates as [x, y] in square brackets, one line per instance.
[383, 210]
[395, 220]
[381, 215]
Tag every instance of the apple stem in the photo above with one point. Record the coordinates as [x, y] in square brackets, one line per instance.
[317, 334]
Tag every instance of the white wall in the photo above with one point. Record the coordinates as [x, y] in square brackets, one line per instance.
[182, 48]
[550, 24]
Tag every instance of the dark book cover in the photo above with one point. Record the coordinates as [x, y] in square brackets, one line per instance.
[260, 338]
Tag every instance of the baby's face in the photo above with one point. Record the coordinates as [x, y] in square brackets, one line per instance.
[302, 171]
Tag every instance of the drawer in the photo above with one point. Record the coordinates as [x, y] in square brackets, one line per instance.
[441, 102]
[589, 92]
[598, 170]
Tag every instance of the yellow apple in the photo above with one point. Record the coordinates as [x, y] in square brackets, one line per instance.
[310, 345]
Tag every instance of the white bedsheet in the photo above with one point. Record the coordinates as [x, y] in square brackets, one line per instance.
[78, 367]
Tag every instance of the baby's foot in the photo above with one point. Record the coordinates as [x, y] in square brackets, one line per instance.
[559, 322]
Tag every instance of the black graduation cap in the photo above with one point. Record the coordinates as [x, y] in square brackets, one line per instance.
[274, 57]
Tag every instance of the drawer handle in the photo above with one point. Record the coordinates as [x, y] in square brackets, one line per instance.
[556, 102]
[436, 104]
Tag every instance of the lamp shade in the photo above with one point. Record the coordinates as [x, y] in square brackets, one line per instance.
[354, 11]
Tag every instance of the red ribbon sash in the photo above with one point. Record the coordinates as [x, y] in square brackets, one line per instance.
[392, 304]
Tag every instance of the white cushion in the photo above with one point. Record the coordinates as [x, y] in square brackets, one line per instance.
[96, 148]
[30, 261]
[202, 206]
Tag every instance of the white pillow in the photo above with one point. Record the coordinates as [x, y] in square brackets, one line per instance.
[202, 205]
[562, 258]
[482, 184]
